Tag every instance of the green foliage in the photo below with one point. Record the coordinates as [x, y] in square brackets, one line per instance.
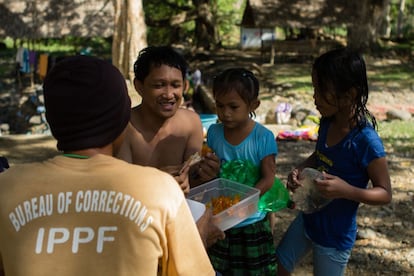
[161, 9]
[408, 18]
[335, 32]
[68, 45]
[229, 15]
[9, 42]
[158, 14]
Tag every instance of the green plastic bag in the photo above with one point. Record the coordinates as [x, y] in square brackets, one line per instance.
[277, 198]
[244, 171]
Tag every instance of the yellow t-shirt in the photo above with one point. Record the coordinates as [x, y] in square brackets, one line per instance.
[96, 216]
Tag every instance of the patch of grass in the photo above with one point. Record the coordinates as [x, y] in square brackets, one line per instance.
[298, 78]
[301, 85]
[399, 135]
[298, 83]
[400, 72]
[396, 129]
[381, 73]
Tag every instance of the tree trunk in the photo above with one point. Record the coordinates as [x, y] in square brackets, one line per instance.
[364, 33]
[386, 26]
[129, 35]
[401, 8]
[205, 30]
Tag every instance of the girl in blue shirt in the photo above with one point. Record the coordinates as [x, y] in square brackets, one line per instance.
[248, 248]
[350, 153]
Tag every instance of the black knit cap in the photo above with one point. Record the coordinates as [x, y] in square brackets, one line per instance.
[87, 103]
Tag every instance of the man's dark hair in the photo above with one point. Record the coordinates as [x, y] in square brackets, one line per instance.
[157, 56]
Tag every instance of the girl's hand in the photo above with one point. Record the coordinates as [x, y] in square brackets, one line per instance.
[332, 186]
[293, 181]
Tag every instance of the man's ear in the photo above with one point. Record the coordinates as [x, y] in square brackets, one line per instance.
[139, 86]
[186, 86]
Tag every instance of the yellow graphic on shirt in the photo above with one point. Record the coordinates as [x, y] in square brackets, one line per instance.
[80, 235]
[325, 160]
[100, 201]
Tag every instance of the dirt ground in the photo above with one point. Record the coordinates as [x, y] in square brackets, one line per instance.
[385, 244]
[387, 247]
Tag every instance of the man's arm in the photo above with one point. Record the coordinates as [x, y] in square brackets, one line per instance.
[209, 232]
[194, 129]
[209, 167]
[183, 237]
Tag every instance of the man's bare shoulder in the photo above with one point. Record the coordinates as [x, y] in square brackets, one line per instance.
[186, 115]
[131, 130]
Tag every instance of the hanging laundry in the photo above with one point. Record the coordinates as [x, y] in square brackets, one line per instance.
[22, 58]
[43, 63]
[32, 60]
[19, 56]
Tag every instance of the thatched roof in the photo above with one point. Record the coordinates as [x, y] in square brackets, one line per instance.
[297, 13]
[56, 18]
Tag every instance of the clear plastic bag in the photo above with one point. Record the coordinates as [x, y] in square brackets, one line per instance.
[307, 197]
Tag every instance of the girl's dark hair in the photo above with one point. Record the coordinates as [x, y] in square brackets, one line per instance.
[157, 56]
[240, 80]
[343, 69]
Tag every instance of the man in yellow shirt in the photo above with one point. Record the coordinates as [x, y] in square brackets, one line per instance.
[86, 212]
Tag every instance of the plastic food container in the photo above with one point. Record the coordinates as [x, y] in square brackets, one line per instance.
[247, 206]
[197, 209]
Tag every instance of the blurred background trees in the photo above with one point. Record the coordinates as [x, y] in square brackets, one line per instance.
[200, 25]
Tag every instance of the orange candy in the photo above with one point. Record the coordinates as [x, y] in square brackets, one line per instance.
[205, 149]
[221, 203]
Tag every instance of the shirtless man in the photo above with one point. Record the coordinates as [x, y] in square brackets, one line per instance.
[161, 134]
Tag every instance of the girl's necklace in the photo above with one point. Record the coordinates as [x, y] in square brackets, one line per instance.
[73, 155]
